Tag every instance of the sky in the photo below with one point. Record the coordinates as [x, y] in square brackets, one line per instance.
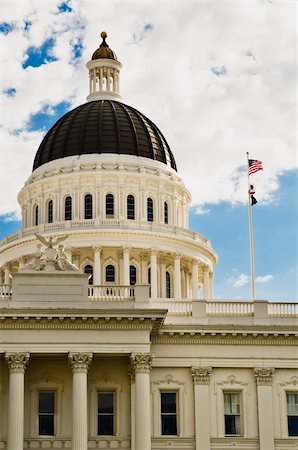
[217, 77]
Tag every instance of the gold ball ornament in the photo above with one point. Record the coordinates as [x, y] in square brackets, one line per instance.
[103, 35]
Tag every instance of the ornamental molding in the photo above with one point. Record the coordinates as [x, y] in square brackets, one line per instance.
[168, 381]
[17, 362]
[292, 383]
[201, 375]
[80, 362]
[141, 362]
[264, 375]
[231, 382]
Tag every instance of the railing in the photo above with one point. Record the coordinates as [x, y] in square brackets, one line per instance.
[174, 307]
[5, 292]
[107, 223]
[229, 309]
[283, 309]
[111, 293]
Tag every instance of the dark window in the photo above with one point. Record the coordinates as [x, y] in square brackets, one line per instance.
[110, 274]
[46, 413]
[131, 207]
[149, 209]
[168, 285]
[36, 215]
[110, 205]
[68, 208]
[50, 211]
[132, 275]
[89, 269]
[232, 414]
[105, 413]
[88, 206]
[292, 409]
[168, 408]
[166, 212]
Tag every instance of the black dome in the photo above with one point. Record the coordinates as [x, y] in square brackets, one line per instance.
[104, 126]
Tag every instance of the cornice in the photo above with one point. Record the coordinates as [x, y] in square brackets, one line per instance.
[82, 320]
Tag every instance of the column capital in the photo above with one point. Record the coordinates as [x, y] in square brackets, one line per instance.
[97, 249]
[195, 262]
[126, 249]
[80, 362]
[17, 362]
[177, 256]
[163, 260]
[144, 256]
[205, 267]
[141, 362]
[201, 375]
[264, 375]
[154, 252]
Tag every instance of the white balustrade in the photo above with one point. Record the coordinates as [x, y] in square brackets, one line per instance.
[229, 309]
[283, 309]
[174, 307]
[111, 293]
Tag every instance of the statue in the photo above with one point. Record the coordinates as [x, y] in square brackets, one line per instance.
[50, 242]
[62, 261]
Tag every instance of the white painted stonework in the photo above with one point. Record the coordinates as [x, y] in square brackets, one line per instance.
[164, 334]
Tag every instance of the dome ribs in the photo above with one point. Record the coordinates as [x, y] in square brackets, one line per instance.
[117, 127]
[104, 126]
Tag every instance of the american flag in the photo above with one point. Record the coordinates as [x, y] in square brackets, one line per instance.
[254, 165]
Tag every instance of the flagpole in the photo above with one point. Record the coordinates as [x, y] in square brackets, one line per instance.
[251, 247]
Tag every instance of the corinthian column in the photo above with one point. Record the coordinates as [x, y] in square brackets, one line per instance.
[80, 363]
[265, 406]
[16, 364]
[126, 251]
[153, 265]
[97, 266]
[195, 279]
[141, 365]
[177, 277]
[201, 380]
[206, 282]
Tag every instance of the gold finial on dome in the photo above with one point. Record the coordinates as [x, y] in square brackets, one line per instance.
[103, 35]
[104, 51]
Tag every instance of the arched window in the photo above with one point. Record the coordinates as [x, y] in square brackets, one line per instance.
[168, 285]
[36, 215]
[131, 207]
[109, 205]
[88, 206]
[166, 212]
[149, 280]
[110, 274]
[89, 269]
[50, 211]
[132, 275]
[68, 208]
[149, 209]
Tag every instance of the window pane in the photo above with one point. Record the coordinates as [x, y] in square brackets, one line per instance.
[166, 213]
[36, 216]
[110, 274]
[132, 275]
[105, 425]
[293, 425]
[169, 424]
[109, 205]
[168, 285]
[46, 425]
[106, 402]
[232, 403]
[168, 402]
[46, 402]
[150, 210]
[292, 403]
[68, 208]
[88, 206]
[89, 269]
[50, 211]
[131, 207]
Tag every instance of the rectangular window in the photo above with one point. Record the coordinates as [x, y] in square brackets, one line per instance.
[105, 413]
[292, 410]
[46, 413]
[168, 408]
[232, 414]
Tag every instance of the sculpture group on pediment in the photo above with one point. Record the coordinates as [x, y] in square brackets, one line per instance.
[51, 257]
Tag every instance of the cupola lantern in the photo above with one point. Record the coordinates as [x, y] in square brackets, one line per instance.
[104, 69]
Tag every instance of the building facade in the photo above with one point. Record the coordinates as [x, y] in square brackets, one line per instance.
[113, 339]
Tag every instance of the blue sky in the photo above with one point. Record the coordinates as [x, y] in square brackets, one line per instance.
[226, 86]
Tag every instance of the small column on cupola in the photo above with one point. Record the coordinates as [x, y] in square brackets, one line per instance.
[104, 70]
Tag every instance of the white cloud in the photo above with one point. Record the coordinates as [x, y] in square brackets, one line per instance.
[209, 121]
[201, 210]
[264, 279]
[242, 280]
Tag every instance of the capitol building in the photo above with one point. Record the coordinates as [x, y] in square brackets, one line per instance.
[110, 335]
